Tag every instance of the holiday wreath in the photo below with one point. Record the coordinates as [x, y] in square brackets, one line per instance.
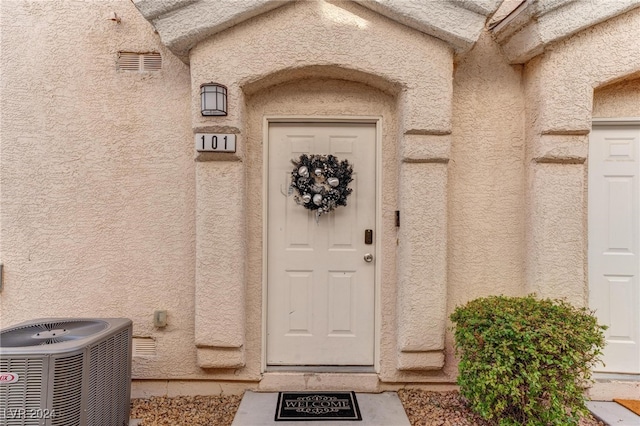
[321, 182]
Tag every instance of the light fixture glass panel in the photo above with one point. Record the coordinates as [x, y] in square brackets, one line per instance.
[213, 99]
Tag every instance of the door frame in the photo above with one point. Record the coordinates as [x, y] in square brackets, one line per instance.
[377, 121]
[602, 122]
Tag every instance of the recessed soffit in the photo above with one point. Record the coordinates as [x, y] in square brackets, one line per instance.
[182, 24]
[535, 24]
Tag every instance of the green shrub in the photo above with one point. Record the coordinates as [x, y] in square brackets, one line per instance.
[525, 361]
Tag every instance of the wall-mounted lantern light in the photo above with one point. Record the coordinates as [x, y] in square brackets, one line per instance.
[213, 99]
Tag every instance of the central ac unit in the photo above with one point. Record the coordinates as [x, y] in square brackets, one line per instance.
[66, 372]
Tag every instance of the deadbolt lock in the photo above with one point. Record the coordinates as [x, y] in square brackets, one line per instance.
[368, 236]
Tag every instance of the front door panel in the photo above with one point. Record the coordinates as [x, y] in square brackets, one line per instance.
[614, 243]
[320, 289]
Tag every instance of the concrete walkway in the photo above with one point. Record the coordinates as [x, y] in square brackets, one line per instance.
[613, 413]
[382, 409]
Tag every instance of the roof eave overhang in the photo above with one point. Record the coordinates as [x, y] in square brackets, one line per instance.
[182, 24]
[536, 24]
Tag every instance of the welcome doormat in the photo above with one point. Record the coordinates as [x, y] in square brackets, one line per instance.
[309, 406]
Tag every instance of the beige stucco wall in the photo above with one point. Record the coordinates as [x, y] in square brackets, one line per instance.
[342, 35]
[487, 204]
[621, 99]
[96, 173]
[123, 241]
[486, 181]
[106, 209]
[560, 83]
[559, 92]
[325, 35]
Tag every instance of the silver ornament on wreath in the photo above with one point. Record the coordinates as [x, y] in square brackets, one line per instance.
[326, 188]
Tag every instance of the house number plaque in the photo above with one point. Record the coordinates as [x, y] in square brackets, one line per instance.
[215, 142]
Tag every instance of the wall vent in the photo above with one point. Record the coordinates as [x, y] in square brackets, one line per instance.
[139, 62]
[144, 346]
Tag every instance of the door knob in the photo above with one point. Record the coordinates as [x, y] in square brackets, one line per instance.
[368, 257]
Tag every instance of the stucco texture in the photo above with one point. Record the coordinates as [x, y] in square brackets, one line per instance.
[620, 99]
[560, 83]
[559, 93]
[320, 65]
[106, 209]
[486, 180]
[97, 196]
[342, 35]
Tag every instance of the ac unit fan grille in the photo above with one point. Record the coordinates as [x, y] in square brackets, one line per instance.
[26, 395]
[48, 333]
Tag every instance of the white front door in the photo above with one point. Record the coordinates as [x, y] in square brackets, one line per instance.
[614, 242]
[320, 289]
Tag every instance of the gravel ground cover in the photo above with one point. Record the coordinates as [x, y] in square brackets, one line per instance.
[447, 409]
[186, 410]
[423, 408]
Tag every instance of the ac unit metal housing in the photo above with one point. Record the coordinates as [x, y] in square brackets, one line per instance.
[66, 372]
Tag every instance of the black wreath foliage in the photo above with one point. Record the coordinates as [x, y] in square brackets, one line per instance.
[312, 184]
